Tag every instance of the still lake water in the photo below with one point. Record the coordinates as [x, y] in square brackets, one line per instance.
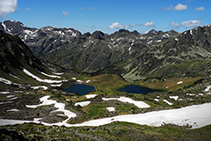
[137, 89]
[80, 89]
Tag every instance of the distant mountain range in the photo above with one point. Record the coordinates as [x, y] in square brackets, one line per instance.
[132, 55]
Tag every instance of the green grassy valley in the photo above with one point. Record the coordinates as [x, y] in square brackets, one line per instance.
[35, 106]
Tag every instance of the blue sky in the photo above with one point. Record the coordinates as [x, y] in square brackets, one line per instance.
[109, 15]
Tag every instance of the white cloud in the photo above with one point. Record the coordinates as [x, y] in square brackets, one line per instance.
[149, 24]
[65, 13]
[200, 8]
[178, 7]
[174, 25]
[7, 6]
[27, 9]
[117, 25]
[191, 23]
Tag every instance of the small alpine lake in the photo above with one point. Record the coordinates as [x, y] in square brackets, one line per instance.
[137, 89]
[80, 89]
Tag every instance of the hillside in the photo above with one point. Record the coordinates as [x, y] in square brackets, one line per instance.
[87, 52]
[132, 55]
[187, 55]
[34, 105]
[19, 67]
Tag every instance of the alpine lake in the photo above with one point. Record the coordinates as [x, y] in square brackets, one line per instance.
[82, 89]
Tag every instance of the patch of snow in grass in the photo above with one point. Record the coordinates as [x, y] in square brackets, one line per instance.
[73, 78]
[13, 98]
[110, 109]
[13, 110]
[53, 76]
[196, 115]
[62, 115]
[44, 101]
[200, 94]
[139, 104]
[37, 120]
[4, 92]
[107, 99]
[18, 91]
[6, 102]
[190, 94]
[58, 73]
[4, 122]
[79, 81]
[56, 85]
[156, 99]
[9, 96]
[83, 103]
[41, 80]
[13, 75]
[5, 81]
[39, 87]
[60, 106]
[88, 96]
[87, 81]
[174, 97]
[169, 103]
[180, 82]
[207, 89]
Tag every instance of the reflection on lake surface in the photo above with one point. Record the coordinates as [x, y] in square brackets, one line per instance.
[137, 89]
[80, 89]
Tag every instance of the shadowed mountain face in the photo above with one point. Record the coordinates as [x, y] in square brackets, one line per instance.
[130, 54]
[14, 53]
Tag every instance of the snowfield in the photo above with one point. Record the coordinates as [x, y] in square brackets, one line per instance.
[53, 76]
[110, 109]
[5, 81]
[180, 82]
[169, 103]
[42, 80]
[174, 97]
[88, 96]
[83, 103]
[60, 106]
[39, 87]
[196, 116]
[207, 89]
[139, 104]
[56, 85]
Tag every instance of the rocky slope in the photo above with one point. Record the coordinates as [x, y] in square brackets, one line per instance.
[185, 55]
[88, 52]
[130, 54]
[19, 66]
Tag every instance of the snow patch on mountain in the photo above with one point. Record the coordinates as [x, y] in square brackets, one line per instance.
[42, 80]
[139, 104]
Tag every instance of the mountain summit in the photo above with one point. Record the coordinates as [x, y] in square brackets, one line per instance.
[130, 54]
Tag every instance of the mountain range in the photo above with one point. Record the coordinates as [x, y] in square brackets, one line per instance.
[132, 55]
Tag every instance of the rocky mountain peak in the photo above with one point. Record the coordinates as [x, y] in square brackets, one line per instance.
[98, 35]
